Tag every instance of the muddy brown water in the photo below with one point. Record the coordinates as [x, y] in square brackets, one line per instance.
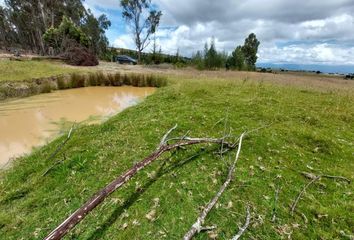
[30, 122]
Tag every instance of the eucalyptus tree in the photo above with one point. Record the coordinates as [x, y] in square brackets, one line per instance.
[250, 49]
[26, 24]
[143, 19]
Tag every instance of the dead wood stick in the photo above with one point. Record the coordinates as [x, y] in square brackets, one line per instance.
[54, 165]
[301, 193]
[208, 228]
[314, 179]
[101, 195]
[198, 225]
[274, 213]
[245, 226]
[164, 138]
[62, 144]
[58, 150]
[337, 177]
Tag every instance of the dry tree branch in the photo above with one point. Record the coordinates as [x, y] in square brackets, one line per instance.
[337, 177]
[198, 225]
[57, 150]
[164, 138]
[276, 196]
[314, 179]
[245, 226]
[62, 144]
[101, 195]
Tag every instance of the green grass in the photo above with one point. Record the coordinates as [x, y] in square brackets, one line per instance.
[311, 131]
[25, 70]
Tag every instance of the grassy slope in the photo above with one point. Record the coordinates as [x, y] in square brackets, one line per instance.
[310, 130]
[24, 70]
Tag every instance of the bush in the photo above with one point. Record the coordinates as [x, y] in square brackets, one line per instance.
[79, 56]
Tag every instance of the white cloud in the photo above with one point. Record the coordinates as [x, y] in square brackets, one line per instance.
[302, 31]
[105, 4]
[124, 41]
[314, 54]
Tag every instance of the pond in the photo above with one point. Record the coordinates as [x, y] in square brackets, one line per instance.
[30, 122]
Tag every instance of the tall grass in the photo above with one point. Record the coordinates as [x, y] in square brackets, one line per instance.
[133, 79]
[45, 87]
[77, 80]
[62, 83]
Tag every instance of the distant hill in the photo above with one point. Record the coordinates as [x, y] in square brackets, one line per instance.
[344, 69]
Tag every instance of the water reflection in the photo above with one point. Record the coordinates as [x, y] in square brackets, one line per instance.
[29, 122]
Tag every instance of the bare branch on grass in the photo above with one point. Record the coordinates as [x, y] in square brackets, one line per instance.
[314, 178]
[276, 195]
[245, 226]
[57, 150]
[198, 225]
[101, 195]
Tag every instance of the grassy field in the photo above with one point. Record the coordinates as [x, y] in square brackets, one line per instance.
[25, 70]
[309, 131]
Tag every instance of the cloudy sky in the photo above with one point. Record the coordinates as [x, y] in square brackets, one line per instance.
[300, 32]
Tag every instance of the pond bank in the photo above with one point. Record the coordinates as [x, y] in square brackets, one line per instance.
[16, 89]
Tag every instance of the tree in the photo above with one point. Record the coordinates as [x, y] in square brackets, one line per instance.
[143, 19]
[7, 33]
[95, 29]
[212, 58]
[237, 59]
[250, 49]
[154, 57]
[28, 20]
[197, 60]
[62, 37]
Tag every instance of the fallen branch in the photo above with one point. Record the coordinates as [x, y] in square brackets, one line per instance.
[208, 228]
[276, 196]
[62, 144]
[314, 179]
[101, 195]
[198, 225]
[54, 165]
[58, 150]
[245, 226]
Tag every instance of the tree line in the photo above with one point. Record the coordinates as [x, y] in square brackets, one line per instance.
[66, 28]
[45, 26]
[242, 58]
